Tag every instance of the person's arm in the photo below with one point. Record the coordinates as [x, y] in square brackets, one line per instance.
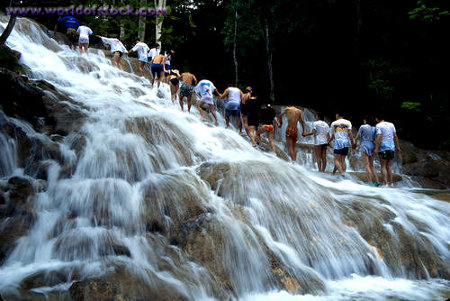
[302, 121]
[310, 133]
[217, 91]
[195, 80]
[331, 134]
[397, 145]
[350, 136]
[281, 117]
[225, 93]
[377, 144]
[276, 121]
[356, 141]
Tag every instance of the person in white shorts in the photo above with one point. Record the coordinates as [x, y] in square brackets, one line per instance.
[142, 49]
[117, 49]
[320, 131]
[232, 105]
[83, 40]
[206, 90]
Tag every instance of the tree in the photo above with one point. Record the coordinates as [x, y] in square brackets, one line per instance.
[8, 29]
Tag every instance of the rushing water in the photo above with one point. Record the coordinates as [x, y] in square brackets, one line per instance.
[181, 204]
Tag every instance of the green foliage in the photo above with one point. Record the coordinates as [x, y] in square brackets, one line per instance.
[413, 106]
[379, 71]
[425, 13]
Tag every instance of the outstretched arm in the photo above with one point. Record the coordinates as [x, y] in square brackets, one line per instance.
[281, 117]
[302, 121]
[377, 144]
[225, 93]
[397, 145]
[310, 133]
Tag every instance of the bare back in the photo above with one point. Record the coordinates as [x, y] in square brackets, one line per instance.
[188, 79]
[159, 59]
[245, 97]
[293, 115]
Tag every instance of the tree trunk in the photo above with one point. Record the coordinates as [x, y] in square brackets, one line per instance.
[266, 35]
[121, 26]
[8, 29]
[236, 76]
[142, 23]
[160, 4]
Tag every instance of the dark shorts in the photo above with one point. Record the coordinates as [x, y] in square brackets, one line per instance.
[244, 109]
[156, 70]
[233, 113]
[174, 81]
[386, 155]
[72, 35]
[342, 151]
[253, 120]
[186, 90]
[167, 69]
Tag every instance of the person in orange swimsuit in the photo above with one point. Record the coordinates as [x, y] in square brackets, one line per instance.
[267, 117]
[294, 115]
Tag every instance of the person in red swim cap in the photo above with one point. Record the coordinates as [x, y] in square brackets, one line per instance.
[267, 117]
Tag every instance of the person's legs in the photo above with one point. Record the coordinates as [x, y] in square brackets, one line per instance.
[189, 101]
[318, 155]
[80, 48]
[338, 159]
[86, 46]
[238, 118]
[343, 164]
[211, 108]
[373, 170]
[271, 135]
[292, 148]
[324, 157]
[389, 172]
[365, 160]
[260, 131]
[227, 118]
[141, 67]
[245, 119]
[251, 133]
[181, 102]
[159, 78]
[384, 170]
[116, 59]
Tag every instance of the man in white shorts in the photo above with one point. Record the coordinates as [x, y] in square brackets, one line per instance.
[206, 90]
[142, 50]
[83, 40]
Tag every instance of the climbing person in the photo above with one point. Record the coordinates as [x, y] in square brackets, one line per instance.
[71, 25]
[206, 89]
[167, 64]
[367, 135]
[232, 106]
[243, 108]
[267, 117]
[253, 109]
[386, 144]
[174, 82]
[157, 68]
[341, 133]
[142, 49]
[83, 40]
[153, 52]
[188, 82]
[320, 131]
[117, 49]
[294, 115]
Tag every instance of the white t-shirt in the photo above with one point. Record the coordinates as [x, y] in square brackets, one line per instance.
[340, 129]
[321, 135]
[167, 60]
[234, 95]
[206, 89]
[142, 50]
[115, 44]
[153, 52]
[84, 33]
[386, 130]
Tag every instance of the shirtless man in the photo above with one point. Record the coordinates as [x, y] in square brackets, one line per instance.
[267, 117]
[232, 107]
[158, 68]
[188, 82]
[294, 116]
[206, 90]
[244, 110]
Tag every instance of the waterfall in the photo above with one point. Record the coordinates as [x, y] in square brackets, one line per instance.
[143, 191]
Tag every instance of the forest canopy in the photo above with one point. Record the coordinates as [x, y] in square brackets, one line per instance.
[357, 57]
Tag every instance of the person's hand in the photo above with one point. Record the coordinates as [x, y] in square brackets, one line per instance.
[279, 124]
[398, 150]
[375, 152]
[304, 134]
[98, 36]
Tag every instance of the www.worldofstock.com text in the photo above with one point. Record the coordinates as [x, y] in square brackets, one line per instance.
[86, 11]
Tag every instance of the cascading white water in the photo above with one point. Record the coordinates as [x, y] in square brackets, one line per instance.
[185, 206]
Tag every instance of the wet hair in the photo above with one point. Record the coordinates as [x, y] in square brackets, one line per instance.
[319, 115]
[157, 45]
[248, 89]
[339, 114]
[137, 40]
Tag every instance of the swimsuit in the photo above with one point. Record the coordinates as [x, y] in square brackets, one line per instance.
[186, 90]
[268, 127]
[156, 70]
[292, 133]
[244, 109]
[174, 81]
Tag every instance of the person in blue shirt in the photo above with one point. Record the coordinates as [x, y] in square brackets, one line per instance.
[367, 134]
[71, 24]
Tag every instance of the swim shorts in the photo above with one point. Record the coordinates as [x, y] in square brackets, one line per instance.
[292, 133]
[341, 151]
[156, 70]
[244, 110]
[253, 120]
[174, 81]
[232, 113]
[387, 154]
[186, 90]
